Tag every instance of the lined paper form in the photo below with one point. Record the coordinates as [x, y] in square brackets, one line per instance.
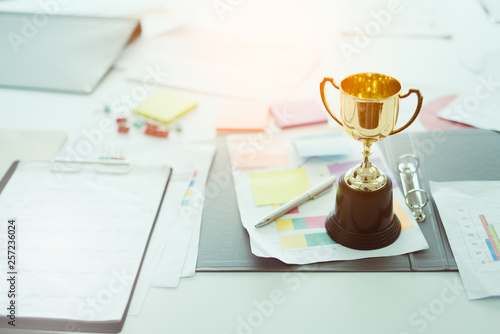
[81, 237]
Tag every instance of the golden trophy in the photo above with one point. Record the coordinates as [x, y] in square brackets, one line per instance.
[363, 217]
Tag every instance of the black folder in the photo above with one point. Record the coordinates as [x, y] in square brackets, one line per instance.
[451, 155]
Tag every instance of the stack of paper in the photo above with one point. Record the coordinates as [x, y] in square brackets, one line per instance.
[172, 253]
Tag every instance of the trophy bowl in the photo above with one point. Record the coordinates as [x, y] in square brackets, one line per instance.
[363, 217]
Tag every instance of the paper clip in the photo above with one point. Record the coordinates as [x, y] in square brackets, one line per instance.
[407, 166]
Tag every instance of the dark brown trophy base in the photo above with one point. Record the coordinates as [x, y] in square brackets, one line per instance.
[363, 219]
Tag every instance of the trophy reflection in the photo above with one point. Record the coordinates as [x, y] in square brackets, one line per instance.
[363, 217]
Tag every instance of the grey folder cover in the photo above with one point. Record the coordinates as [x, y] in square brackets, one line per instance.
[60, 52]
[445, 156]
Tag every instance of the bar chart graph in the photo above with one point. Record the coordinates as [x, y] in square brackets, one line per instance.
[480, 229]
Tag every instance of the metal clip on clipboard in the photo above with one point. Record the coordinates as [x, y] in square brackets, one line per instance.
[407, 166]
[99, 166]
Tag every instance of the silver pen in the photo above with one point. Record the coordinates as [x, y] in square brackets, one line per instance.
[311, 193]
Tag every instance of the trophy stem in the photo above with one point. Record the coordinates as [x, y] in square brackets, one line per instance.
[365, 176]
[367, 151]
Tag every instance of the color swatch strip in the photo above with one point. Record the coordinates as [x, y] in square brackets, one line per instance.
[294, 224]
[189, 191]
[305, 240]
[492, 242]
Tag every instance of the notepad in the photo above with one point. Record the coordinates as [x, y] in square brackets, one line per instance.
[164, 107]
[245, 153]
[247, 117]
[298, 113]
[324, 145]
[278, 186]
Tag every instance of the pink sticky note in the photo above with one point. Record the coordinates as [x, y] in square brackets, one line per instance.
[429, 118]
[298, 113]
[247, 117]
[248, 153]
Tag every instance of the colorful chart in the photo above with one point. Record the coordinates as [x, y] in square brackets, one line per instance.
[311, 232]
[480, 233]
[300, 223]
[305, 240]
[492, 241]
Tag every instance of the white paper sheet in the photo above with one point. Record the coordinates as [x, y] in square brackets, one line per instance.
[470, 211]
[184, 159]
[81, 238]
[174, 262]
[266, 241]
[420, 19]
[221, 64]
[477, 105]
[163, 230]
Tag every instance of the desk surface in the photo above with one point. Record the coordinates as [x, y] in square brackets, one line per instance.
[293, 302]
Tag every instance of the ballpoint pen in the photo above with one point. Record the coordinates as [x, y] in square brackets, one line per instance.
[311, 193]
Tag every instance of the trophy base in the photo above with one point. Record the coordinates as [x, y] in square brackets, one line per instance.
[363, 220]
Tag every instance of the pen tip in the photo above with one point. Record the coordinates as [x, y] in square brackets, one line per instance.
[262, 222]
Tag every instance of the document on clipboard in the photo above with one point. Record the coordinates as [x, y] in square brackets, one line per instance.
[80, 240]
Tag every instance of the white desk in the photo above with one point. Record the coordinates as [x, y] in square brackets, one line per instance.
[314, 302]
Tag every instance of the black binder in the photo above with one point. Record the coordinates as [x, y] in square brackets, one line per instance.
[451, 155]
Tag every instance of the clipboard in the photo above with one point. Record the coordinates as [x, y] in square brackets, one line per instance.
[225, 245]
[68, 325]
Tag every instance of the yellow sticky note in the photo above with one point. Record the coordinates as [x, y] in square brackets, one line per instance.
[406, 222]
[278, 186]
[247, 117]
[284, 225]
[164, 107]
[293, 241]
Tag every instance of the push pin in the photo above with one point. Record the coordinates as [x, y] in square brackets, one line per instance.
[139, 123]
[150, 131]
[123, 129]
[162, 134]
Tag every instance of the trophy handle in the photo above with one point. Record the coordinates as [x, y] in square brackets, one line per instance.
[323, 97]
[419, 106]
